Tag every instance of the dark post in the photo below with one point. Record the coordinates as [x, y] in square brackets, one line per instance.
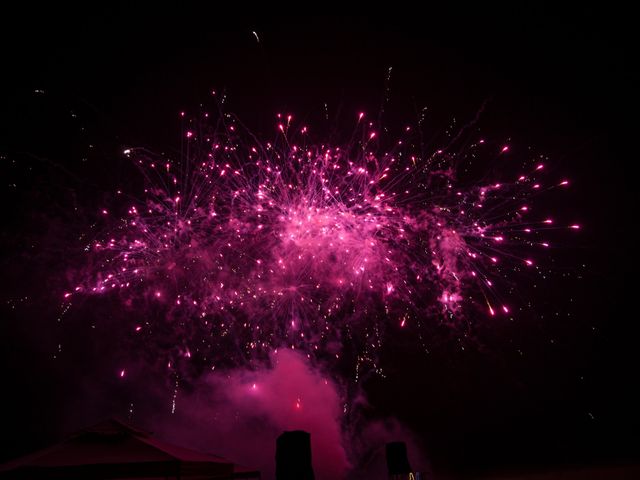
[397, 460]
[293, 456]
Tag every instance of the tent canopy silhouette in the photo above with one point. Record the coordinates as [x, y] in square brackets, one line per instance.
[113, 449]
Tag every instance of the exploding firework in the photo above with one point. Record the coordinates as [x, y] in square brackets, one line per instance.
[245, 246]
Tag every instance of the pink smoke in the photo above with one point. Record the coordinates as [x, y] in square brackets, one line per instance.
[239, 414]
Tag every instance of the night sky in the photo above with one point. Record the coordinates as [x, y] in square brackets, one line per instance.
[555, 386]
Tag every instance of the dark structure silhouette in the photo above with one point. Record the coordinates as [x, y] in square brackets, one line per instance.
[113, 449]
[397, 460]
[293, 456]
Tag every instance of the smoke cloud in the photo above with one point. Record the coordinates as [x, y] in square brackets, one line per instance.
[240, 413]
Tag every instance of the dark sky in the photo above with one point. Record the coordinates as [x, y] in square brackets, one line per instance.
[553, 389]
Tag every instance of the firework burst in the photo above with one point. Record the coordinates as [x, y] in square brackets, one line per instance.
[301, 244]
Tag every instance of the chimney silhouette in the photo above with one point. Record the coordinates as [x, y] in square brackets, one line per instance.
[397, 460]
[293, 456]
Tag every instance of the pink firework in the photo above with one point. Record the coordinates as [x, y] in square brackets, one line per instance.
[301, 244]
